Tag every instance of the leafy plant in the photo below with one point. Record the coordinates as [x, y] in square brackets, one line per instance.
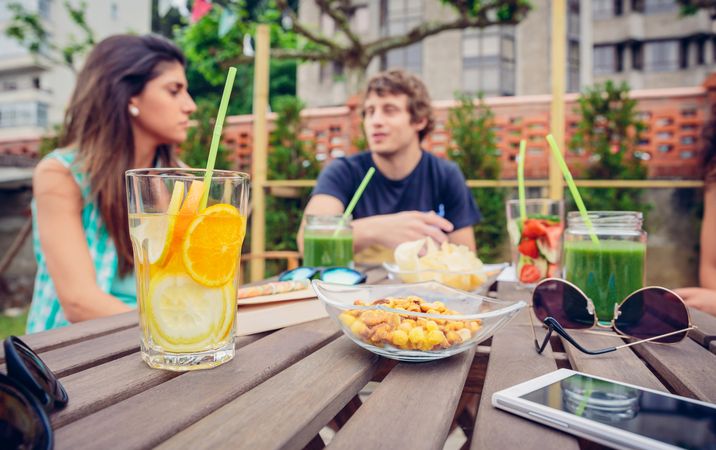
[288, 159]
[27, 28]
[195, 150]
[474, 149]
[609, 131]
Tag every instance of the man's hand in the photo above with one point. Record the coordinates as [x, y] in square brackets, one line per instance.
[699, 298]
[390, 230]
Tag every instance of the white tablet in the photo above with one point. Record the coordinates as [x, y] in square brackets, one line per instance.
[612, 413]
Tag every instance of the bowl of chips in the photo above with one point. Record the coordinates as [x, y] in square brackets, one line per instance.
[414, 322]
[451, 264]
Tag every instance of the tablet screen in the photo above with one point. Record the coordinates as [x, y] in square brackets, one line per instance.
[673, 421]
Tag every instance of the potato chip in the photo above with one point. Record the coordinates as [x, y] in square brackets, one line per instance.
[451, 264]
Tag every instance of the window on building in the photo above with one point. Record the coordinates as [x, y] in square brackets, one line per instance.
[700, 52]
[604, 59]
[659, 6]
[661, 56]
[23, 114]
[43, 8]
[9, 85]
[573, 66]
[684, 53]
[573, 19]
[620, 57]
[605, 9]
[637, 56]
[488, 61]
[398, 17]
[114, 10]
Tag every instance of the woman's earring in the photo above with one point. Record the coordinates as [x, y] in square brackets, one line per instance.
[133, 111]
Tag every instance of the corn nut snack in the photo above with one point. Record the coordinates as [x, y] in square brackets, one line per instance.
[408, 332]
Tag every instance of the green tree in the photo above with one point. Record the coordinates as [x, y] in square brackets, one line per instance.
[609, 131]
[194, 152]
[474, 149]
[288, 159]
[306, 42]
[27, 28]
[691, 7]
[206, 51]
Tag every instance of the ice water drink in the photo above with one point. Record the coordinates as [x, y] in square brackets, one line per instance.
[187, 264]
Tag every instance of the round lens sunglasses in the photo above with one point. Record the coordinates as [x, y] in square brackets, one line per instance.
[651, 314]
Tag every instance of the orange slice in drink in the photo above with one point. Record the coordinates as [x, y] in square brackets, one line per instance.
[212, 245]
[189, 209]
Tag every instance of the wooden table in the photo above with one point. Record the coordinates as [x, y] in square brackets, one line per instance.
[283, 387]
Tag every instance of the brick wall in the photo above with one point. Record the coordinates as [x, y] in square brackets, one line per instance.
[674, 117]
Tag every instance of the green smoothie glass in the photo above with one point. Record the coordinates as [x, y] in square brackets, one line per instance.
[328, 241]
[612, 269]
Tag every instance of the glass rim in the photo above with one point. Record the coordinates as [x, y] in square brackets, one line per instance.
[184, 172]
[528, 201]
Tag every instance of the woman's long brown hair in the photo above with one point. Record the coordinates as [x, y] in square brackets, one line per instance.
[97, 123]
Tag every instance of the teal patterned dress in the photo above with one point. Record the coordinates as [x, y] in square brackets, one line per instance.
[46, 312]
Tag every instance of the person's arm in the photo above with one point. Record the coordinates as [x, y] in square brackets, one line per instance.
[699, 298]
[62, 240]
[463, 236]
[707, 265]
[388, 230]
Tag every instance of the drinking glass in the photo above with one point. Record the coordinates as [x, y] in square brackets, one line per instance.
[536, 240]
[187, 237]
[607, 271]
[328, 241]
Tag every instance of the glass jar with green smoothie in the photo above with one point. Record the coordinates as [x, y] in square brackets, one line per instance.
[328, 241]
[612, 269]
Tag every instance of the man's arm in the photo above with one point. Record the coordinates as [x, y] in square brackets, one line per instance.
[463, 236]
[388, 230]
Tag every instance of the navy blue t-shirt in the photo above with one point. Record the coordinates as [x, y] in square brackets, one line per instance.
[434, 185]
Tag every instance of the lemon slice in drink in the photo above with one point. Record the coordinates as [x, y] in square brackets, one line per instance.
[187, 316]
[155, 232]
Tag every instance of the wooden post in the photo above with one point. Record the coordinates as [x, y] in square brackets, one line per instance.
[258, 211]
[559, 69]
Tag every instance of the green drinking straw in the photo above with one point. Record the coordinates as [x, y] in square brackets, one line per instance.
[572, 187]
[355, 198]
[216, 137]
[521, 180]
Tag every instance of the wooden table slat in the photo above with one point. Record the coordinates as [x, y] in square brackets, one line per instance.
[99, 387]
[706, 331]
[266, 417]
[60, 337]
[686, 366]
[149, 419]
[513, 360]
[92, 352]
[412, 407]
[622, 365]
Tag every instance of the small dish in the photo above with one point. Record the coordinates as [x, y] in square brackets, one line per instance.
[469, 309]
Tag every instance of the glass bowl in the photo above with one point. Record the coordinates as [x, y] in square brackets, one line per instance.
[373, 327]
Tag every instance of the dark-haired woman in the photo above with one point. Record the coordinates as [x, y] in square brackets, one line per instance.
[704, 297]
[129, 107]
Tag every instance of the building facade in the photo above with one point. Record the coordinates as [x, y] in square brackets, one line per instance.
[646, 43]
[497, 61]
[33, 91]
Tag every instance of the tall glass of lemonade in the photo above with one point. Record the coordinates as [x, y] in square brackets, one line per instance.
[186, 234]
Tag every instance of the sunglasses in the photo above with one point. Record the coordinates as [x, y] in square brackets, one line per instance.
[28, 392]
[651, 314]
[337, 275]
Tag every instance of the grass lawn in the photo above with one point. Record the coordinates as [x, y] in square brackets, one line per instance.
[12, 325]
